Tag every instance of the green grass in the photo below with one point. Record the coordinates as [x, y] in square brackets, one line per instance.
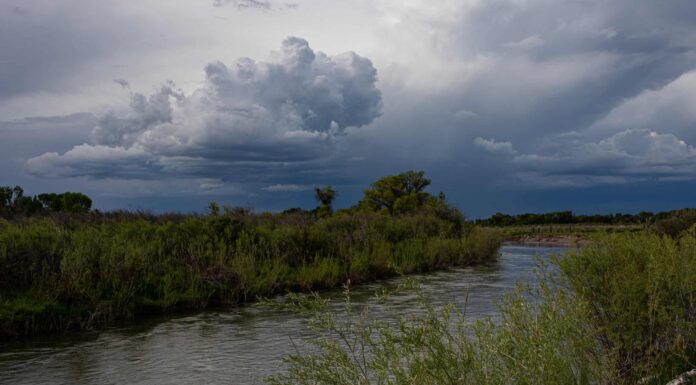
[69, 273]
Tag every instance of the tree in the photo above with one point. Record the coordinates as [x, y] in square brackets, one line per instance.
[50, 201]
[325, 196]
[5, 199]
[11, 200]
[74, 202]
[71, 202]
[398, 193]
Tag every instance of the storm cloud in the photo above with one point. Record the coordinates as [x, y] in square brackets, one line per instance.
[498, 101]
[252, 115]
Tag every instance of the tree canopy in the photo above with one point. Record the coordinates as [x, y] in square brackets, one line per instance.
[397, 193]
[14, 203]
[325, 196]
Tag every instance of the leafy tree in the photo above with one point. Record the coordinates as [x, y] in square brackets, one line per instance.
[74, 202]
[27, 205]
[50, 201]
[12, 200]
[325, 196]
[398, 193]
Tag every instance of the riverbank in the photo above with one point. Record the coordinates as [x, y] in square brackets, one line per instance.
[619, 311]
[549, 240]
[73, 275]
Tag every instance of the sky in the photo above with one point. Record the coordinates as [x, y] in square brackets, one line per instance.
[507, 105]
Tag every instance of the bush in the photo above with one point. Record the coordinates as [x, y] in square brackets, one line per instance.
[642, 295]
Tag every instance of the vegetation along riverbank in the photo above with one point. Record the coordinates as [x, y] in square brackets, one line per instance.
[64, 267]
[620, 310]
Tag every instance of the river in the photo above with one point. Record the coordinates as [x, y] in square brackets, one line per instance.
[241, 345]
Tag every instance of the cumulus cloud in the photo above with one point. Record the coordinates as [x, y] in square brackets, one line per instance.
[249, 116]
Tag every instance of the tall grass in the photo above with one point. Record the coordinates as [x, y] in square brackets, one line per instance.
[620, 311]
[73, 273]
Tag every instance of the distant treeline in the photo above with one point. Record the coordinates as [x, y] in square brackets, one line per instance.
[13, 203]
[670, 223]
[568, 217]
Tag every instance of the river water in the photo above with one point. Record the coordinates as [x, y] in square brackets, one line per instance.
[241, 345]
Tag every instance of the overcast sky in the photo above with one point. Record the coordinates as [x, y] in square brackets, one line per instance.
[508, 105]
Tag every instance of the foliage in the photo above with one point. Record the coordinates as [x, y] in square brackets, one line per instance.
[677, 222]
[13, 203]
[531, 344]
[325, 196]
[620, 311]
[642, 295]
[568, 217]
[79, 272]
[397, 193]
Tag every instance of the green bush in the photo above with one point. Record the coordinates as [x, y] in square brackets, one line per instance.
[642, 294]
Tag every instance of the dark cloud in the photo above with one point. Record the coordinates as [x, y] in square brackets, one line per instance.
[249, 121]
[496, 100]
[547, 93]
[548, 67]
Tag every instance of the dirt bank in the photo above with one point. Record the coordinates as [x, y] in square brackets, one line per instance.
[549, 240]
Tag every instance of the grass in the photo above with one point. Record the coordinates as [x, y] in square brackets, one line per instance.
[79, 272]
[621, 310]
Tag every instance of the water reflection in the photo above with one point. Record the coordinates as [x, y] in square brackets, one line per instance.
[239, 345]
